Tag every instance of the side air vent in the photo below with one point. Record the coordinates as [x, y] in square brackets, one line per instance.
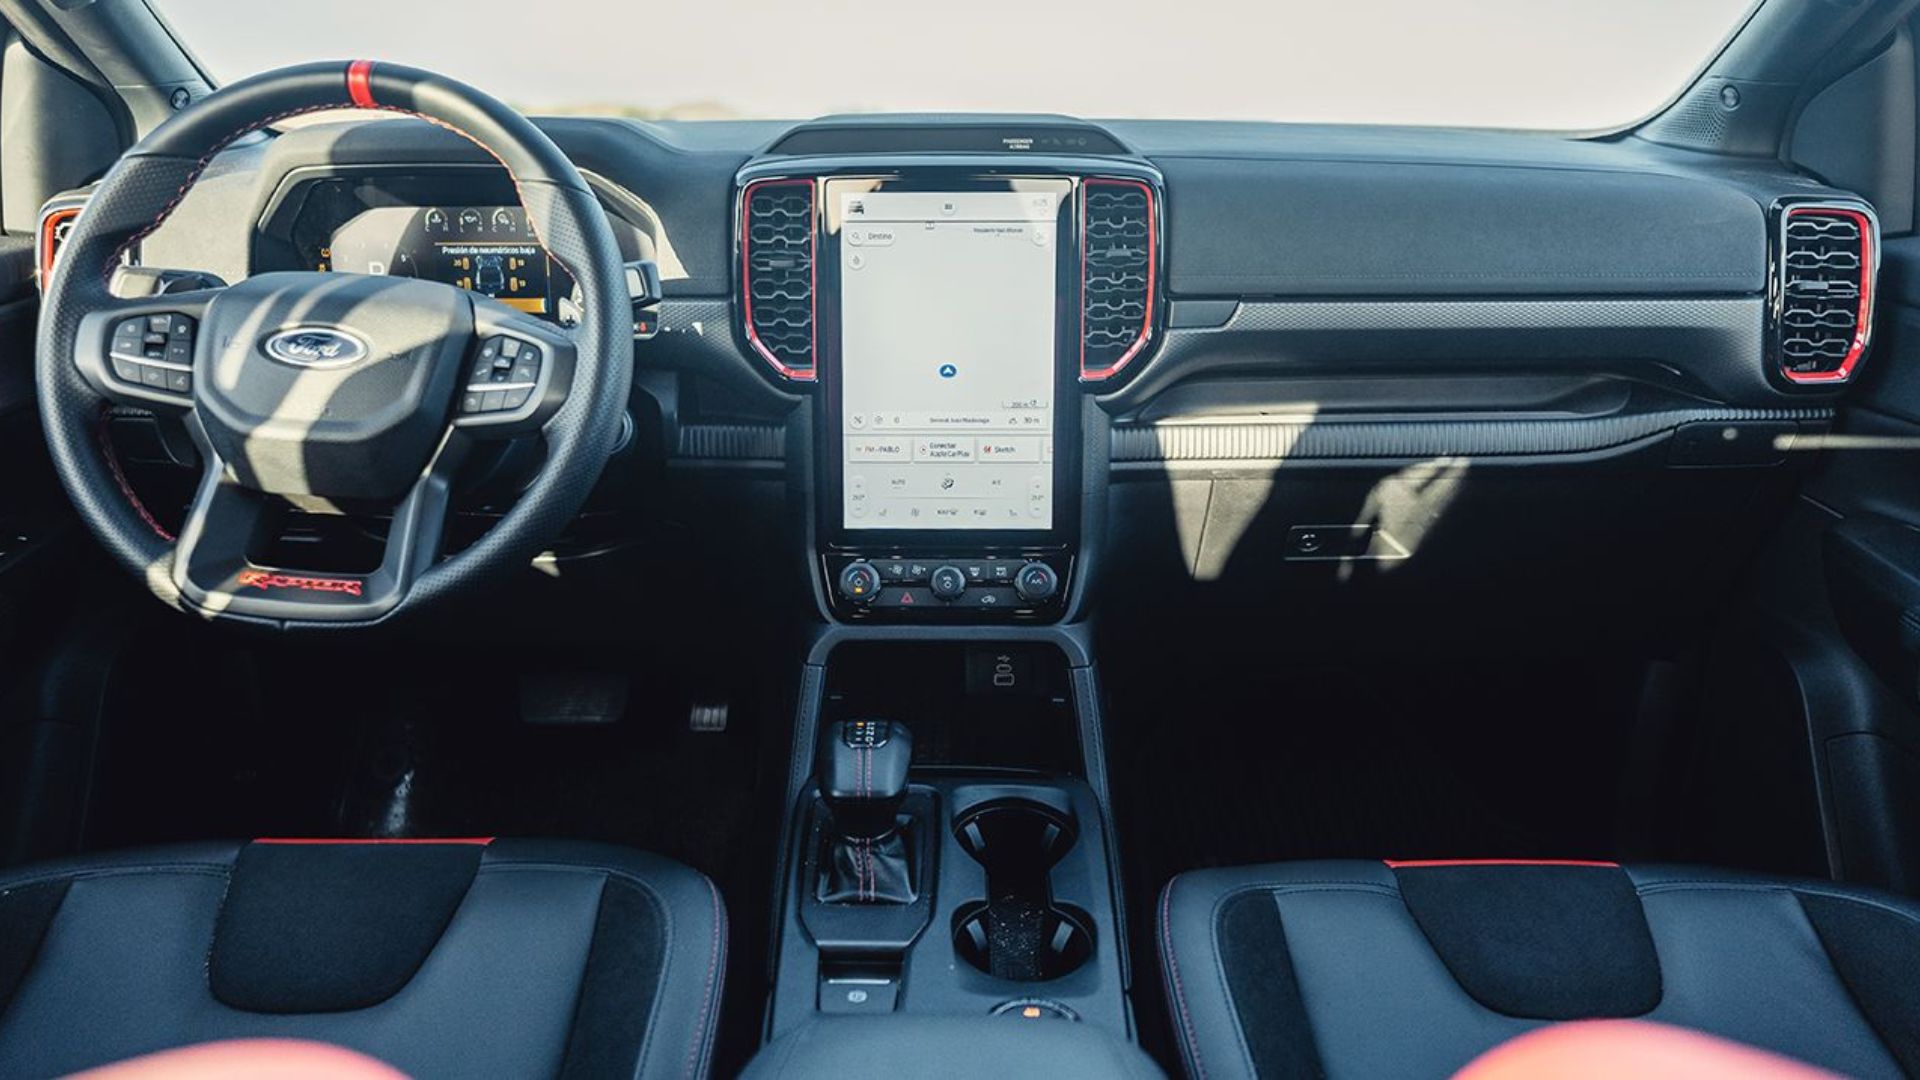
[1120, 252]
[1824, 311]
[56, 221]
[777, 279]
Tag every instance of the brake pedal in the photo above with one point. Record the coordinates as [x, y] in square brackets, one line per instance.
[573, 698]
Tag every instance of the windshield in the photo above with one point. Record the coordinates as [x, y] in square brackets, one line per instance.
[1556, 65]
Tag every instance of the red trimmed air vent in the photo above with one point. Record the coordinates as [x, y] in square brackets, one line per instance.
[1118, 259]
[54, 227]
[1825, 313]
[777, 274]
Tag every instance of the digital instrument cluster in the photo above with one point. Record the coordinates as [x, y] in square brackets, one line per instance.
[491, 250]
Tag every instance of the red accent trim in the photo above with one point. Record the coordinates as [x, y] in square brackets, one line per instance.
[48, 228]
[104, 433]
[1153, 270]
[1863, 318]
[268, 579]
[1405, 864]
[311, 840]
[360, 84]
[799, 374]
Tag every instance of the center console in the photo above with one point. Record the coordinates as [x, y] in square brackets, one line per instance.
[948, 854]
[944, 318]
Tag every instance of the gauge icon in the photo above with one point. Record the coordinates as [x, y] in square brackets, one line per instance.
[471, 220]
[436, 220]
[503, 220]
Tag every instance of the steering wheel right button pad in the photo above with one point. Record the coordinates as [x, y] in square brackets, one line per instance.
[503, 377]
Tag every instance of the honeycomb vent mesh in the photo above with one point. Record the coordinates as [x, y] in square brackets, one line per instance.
[1825, 257]
[1117, 294]
[779, 271]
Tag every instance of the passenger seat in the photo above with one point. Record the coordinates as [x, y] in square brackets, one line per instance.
[1414, 969]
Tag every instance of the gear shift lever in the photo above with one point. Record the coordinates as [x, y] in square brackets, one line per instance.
[863, 780]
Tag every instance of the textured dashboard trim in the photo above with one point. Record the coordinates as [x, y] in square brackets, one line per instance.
[1309, 439]
[1717, 342]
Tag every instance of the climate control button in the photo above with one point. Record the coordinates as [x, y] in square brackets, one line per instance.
[860, 582]
[948, 582]
[1036, 582]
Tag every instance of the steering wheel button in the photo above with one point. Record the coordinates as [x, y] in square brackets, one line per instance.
[517, 398]
[159, 323]
[153, 376]
[493, 401]
[180, 352]
[470, 402]
[180, 327]
[509, 348]
[490, 349]
[525, 371]
[126, 370]
[180, 381]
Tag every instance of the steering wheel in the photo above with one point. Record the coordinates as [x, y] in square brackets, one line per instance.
[330, 389]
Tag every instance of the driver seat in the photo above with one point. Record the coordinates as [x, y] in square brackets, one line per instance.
[441, 958]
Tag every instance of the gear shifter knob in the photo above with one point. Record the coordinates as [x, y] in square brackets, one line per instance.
[863, 775]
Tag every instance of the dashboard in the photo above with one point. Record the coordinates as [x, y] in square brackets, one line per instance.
[972, 348]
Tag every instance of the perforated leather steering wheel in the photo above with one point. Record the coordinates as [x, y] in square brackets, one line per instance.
[330, 388]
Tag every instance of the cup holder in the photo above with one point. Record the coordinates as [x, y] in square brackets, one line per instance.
[1018, 932]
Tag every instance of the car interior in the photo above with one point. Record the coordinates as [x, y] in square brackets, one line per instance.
[488, 591]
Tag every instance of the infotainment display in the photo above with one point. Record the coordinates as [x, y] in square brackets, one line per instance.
[485, 249]
[947, 373]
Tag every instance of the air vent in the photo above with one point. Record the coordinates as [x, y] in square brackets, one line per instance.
[1118, 276]
[1826, 257]
[55, 224]
[777, 273]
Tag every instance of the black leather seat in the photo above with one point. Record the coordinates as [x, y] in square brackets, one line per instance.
[510, 958]
[1414, 969]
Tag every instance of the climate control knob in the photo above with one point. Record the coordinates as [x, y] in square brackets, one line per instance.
[1036, 582]
[948, 582]
[860, 582]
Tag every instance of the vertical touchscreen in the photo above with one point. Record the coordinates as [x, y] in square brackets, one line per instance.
[947, 358]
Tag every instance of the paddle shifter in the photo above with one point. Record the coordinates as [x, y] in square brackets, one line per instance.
[863, 779]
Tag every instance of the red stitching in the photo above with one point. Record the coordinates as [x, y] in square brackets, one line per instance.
[518, 191]
[1179, 991]
[200, 168]
[193, 177]
[120, 478]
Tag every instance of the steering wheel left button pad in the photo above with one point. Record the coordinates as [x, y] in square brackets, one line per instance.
[154, 351]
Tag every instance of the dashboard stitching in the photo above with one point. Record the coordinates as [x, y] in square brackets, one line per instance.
[200, 167]
[193, 177]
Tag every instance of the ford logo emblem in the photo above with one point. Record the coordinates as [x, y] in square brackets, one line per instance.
[316, 347]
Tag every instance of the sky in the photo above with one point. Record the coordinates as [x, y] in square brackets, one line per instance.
[1551, 64]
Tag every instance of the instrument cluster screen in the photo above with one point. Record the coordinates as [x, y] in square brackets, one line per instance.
[947, 364]
[490, 250]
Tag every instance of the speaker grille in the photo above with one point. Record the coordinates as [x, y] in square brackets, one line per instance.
[1117, 279]
[777, 274]
[1826, 260]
